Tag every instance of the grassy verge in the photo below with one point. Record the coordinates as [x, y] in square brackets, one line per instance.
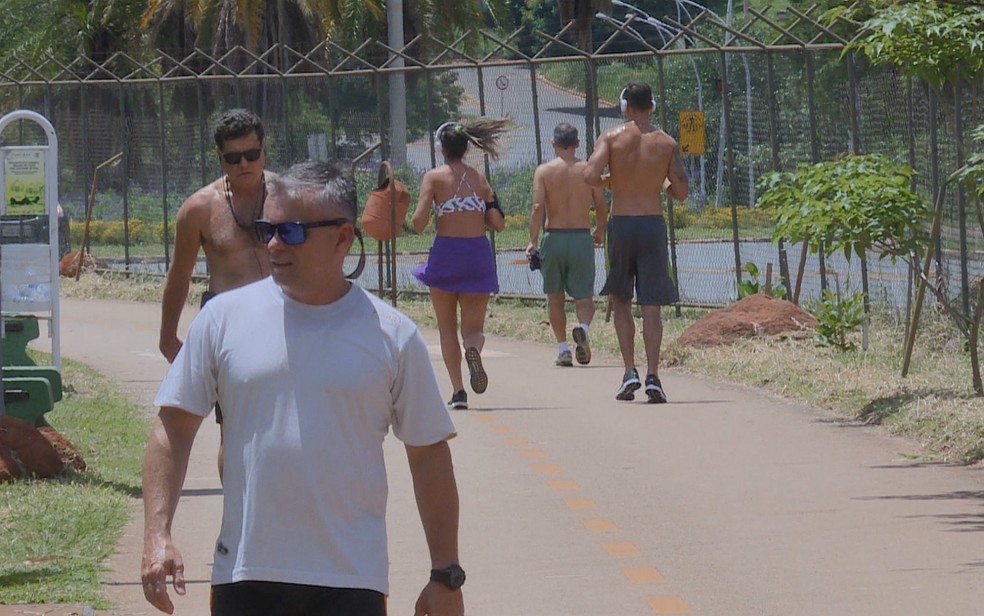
[57, 534]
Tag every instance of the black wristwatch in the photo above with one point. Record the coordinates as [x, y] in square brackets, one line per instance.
[453, 577]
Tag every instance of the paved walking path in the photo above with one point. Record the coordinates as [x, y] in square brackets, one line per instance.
[724, 502]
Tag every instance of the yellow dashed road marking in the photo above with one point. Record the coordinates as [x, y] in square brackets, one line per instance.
[599, 525]
[643, 575]
[635, 575]
[668, 605]
[620, 548]
[580, 503]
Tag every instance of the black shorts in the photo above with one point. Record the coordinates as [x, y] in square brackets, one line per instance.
[281, 599]
[638, 258]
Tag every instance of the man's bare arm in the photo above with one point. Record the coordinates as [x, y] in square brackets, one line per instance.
[421, 215]
[594, 172]
[437, 501]
[164, 469]
[601, 215]
[538, 213]
[679, 187]
[187, 243]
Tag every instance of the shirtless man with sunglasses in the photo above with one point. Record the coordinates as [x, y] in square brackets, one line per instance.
[218, 219]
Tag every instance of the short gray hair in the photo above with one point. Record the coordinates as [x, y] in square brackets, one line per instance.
[565, 135]
[331, 186]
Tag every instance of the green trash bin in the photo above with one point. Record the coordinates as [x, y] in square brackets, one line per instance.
[18, 331]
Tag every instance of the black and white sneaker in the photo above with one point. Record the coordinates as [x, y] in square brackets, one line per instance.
[654, 390]
[479, 379]
[630, 383]
[459, 400]
[582, 350]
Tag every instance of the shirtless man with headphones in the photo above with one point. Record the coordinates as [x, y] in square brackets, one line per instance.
[642, 160]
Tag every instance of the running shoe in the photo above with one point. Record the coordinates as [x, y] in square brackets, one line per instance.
[459, 400]
[630, 383]
[654, 390]
[564, 359]
[582, 350]
[479, 380]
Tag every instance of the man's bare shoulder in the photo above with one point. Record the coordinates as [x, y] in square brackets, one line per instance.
[611, 133]
[201, 201]
[550, 169]
[660, 136]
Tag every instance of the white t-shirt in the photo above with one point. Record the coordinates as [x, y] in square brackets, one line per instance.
[307, 394]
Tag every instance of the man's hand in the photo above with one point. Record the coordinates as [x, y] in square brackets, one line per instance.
[530, 249]
[599, 236]
[438, 600]
[160, 560]
[170, 348]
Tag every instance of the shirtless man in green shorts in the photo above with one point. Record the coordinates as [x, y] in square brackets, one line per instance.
[642, 160]
[563, 201]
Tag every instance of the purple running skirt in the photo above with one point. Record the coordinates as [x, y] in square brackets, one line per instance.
[460, 264]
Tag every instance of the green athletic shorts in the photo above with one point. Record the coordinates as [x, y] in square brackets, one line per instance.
[568, 262]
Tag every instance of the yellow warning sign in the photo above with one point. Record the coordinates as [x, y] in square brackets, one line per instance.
[693, 139]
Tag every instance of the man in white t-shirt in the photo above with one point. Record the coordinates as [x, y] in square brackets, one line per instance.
[311, 373]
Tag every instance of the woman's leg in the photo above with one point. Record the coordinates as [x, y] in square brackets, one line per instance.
[446, 309]
[473, 308]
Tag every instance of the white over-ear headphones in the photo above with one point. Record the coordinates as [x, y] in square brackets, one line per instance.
[437, 133]
[624, 104]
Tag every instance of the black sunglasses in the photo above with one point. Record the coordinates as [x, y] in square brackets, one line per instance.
[233, 158]
[291, 233]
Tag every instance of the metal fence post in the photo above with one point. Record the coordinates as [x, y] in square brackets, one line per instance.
[958, 127]
[730, 157]
[814, 151]
[776, 162]
[164, 212]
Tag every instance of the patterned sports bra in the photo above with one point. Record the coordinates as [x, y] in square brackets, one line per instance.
[471, 203]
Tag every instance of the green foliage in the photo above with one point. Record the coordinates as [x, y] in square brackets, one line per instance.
[514, 188]
[682, 216]
[838, 318]
[939, 42]
[854, 205]
[752, 286]
[973, 175]
[720, 217]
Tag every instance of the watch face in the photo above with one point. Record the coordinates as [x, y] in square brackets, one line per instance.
[457, 577]
[453, 577]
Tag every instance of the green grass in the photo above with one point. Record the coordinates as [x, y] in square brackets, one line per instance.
[57, 534]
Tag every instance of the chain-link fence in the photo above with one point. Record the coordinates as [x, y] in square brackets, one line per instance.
[771, 96]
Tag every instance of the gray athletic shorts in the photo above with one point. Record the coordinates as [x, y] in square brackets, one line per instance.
[638, 258]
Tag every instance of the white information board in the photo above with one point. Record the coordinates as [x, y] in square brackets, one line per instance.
[29, 261]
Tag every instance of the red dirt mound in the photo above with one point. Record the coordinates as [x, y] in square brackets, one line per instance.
[68, 267]
[70, 455]
[24, 452]
[749, 317]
